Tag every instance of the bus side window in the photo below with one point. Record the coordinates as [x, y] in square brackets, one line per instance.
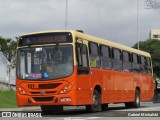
[135, 65]
[82, 58]
[94, 55]
[149, 68]
[143, 65]
[126, 62]
[117, 61]
[106, 61]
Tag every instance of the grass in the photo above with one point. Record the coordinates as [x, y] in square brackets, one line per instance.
[8, 99]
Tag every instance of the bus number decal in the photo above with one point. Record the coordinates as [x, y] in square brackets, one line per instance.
[30, 86]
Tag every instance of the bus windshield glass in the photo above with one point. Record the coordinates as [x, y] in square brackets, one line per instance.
[45, 63]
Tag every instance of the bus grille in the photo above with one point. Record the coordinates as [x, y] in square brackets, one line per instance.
[49, 86]
[39, 93]
[42, 99]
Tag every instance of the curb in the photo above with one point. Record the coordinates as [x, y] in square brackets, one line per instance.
[34, 108]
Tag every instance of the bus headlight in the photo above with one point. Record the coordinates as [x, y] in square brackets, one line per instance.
[21, 90]
[65, 89]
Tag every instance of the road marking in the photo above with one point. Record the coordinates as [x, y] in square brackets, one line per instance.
[143, 109]
[75, 118]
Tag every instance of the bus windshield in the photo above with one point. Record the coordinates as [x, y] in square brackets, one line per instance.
[44, 63]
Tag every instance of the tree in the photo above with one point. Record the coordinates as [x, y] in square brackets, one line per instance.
[8, 47]
[153, 47]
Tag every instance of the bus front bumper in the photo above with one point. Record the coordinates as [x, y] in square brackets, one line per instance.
[61, 99]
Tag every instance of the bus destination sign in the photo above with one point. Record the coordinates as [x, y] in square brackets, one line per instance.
[45, 38]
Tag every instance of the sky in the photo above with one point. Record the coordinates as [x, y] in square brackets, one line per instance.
[114, 20]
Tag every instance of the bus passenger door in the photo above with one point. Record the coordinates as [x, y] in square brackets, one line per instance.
[83, 75]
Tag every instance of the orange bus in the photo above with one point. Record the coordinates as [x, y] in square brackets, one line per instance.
[70, 68]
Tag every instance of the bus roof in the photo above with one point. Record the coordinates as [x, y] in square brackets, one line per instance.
[95, 39]
[49, 31]
[110, 43]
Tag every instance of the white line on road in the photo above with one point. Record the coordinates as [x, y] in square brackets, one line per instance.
[75, 118]
[143, 109]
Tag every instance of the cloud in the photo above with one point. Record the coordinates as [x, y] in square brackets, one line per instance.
[115, 20]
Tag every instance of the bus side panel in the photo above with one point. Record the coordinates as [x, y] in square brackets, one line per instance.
[101, 78]
[150, 95]
[128, 88]
[106, 79]
[84, 91]
[86, 84]
[123, 86]
[116, 86]
[147, 87]
[144, 86]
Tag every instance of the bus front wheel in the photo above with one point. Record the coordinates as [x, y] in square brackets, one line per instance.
[104, 107]
[96, 103]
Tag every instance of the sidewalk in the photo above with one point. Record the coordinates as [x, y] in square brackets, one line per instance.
[33, 108]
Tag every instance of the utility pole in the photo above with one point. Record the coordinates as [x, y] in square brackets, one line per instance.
[66, 13]
[137, 25]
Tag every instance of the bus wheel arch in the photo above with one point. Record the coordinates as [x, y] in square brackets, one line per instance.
[98, 88]
[138, 88]
[96, 100]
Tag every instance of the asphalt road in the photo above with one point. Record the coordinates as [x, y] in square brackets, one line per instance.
[147, 111]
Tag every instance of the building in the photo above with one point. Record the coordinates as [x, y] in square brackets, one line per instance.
[4, 77]
[4, 71]
[155, 34]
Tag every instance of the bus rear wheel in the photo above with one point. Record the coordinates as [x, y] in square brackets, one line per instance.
[104, 107]
[136, 103]
[49, 109]
[96, 106]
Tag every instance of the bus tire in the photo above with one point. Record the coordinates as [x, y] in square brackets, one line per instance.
[128, 104]
[136, 103]
[49, 109]
[96, 106]
[104, 107]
